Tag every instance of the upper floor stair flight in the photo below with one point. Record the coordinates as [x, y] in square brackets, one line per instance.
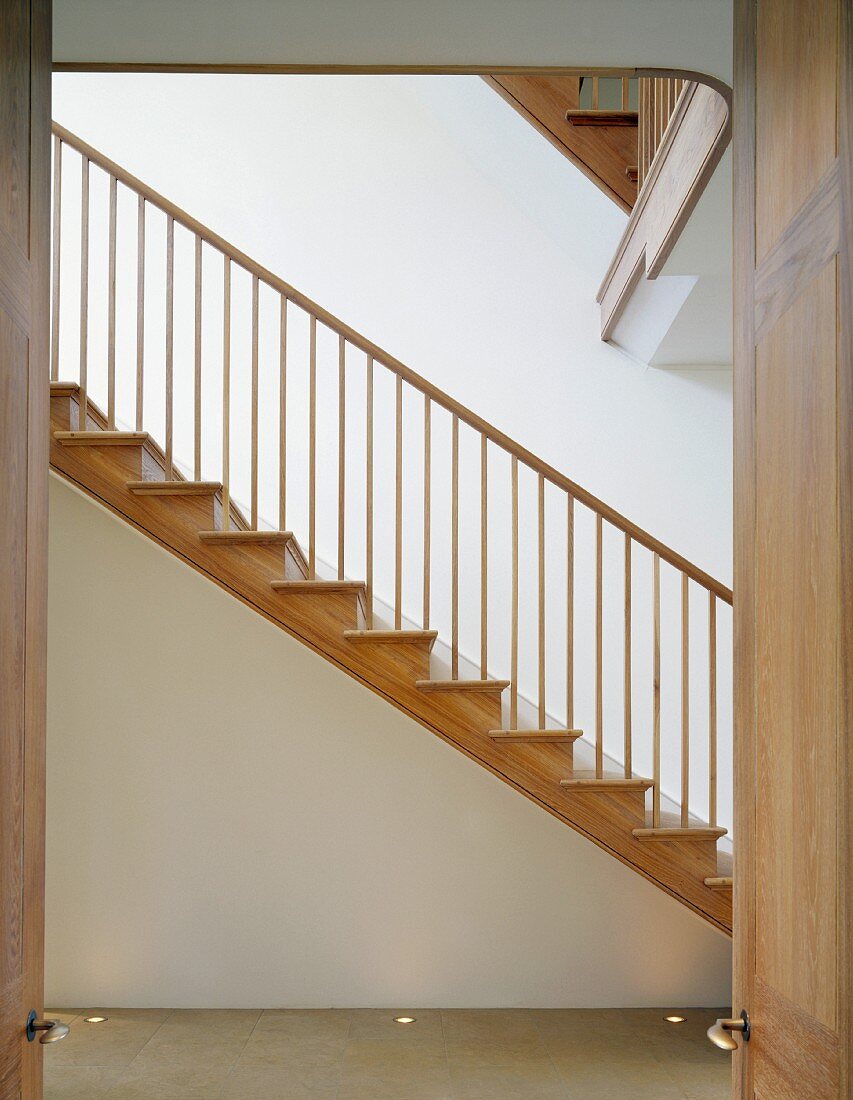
[392, 530]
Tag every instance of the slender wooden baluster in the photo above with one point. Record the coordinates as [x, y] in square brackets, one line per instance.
[599, 651]
[685, 700]
[282, 415]
[454, 550]
[84, 294]
[627, 688]
[570, 612]
[513, 721]
[170, 343]
[312, 449]
[626, 93]
[140, 311]
[656, 690]
[342, 453]
[427, 506]
[254, 441]
[712, 709]
[541, 539]
[484, 558]
[641, 131]
[111, 310]
[57, 239]
[226, 396]
[595, 93]
[368, 494]
[197, 366]
[398, 509]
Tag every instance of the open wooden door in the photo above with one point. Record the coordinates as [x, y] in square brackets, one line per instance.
[793, 99]
[24, 329]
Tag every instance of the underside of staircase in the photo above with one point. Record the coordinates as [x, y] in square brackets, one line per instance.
[126, 472]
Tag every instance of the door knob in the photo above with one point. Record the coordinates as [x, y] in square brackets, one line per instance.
[51, 1030]
[721, 1035]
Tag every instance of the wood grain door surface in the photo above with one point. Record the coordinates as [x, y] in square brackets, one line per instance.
[24, 303]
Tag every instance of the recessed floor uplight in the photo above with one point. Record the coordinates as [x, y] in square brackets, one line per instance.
[674, 1019]
[95, 1019]
[404, 1020]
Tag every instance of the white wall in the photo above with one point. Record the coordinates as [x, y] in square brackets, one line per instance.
[687, 33]
[426, 213]
[234, 822]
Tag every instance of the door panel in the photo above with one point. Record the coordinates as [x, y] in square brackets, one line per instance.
[24, 305]
[793, 484]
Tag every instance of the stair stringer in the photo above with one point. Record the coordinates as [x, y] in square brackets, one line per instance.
[319, 620]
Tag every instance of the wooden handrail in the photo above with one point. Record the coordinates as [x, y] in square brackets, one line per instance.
[379, 355]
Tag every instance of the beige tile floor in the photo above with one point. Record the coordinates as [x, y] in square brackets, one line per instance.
[361, 1054]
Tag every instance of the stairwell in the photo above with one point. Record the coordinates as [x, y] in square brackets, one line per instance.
[477, 704]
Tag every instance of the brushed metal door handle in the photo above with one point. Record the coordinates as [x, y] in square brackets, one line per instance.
[721, 1033]
[51, 1030]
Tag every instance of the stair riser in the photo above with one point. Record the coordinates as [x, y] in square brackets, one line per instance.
[626, 806]
[316, 615]
[697, 856]
[371, 658]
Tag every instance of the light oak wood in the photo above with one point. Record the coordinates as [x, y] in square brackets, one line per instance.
[342, 455]
[603, 782]
[461, 685]
[536, 737]
[84, 285]
[601, 154]
[695, 139]
[312, 447]
[793, 618]
[253, 473]
[656, 687]
[626, 686]
[484, 558]
[282, 413]
[685, 701]
[427, 536]
[719, 883]
[570, 610]
[682, 833]
[454, 549]
[173, 488]
[368, 495]
[111, 309]
[100, 439]
[398, 505]
[56, 258]
[197, 287]
[170, 342]
[395, 637]
[25, 368]
[599, 649]
[226, 392]
[223, 538]
[513, 706]
[541, 616]
[140, 311]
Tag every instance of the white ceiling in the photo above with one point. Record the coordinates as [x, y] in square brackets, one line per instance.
[689, 34]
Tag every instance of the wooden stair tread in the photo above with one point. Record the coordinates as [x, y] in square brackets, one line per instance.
[589, 781]
[173, 488]
[721, 882]
[402, 637]
[236, 536]
[698, 833]
[101, 439]
[437, 686]
[318, 586]
[536, 737]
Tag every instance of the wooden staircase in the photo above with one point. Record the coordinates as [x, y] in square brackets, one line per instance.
[268, 571]
[197, 519]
